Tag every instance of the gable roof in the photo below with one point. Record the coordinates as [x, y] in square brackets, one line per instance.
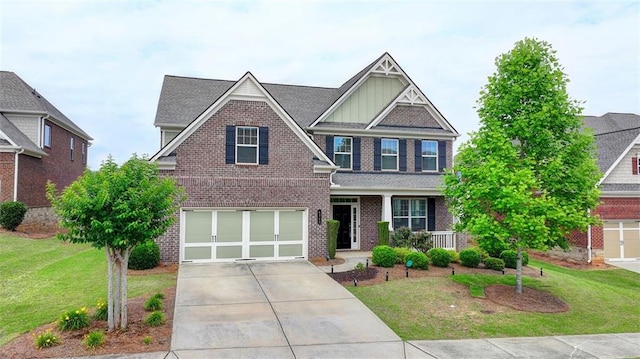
[615, 134]
[16, 139]
[17, 96]
[247, 87]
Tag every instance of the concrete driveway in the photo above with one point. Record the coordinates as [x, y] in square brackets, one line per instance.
[273, 310]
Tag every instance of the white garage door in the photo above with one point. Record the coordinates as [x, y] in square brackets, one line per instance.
[621, 240]
[229, 235]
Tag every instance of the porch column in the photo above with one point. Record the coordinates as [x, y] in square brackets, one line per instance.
[386, 210]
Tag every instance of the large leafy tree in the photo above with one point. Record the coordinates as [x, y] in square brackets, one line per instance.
[527, 177]
[116, 208]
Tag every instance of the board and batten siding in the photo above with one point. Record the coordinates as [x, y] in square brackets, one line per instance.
[622, 172]
[367, 100]
[29, 125]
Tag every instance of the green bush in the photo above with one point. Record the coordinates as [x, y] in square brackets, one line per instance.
[332, 237]
[12, 214]
[101, 312]
[159, 295]
[155, 319]
[494, 263]
[401, 253]
[493, 247]
[422, 241]
[470, 257]
[145, 256]
[47, 339]
[383, 233]
[74, 319]
[440, 257]
[419, 259]
[383, 256]
[147, 340]
[455, 257]
[510, 258]
[94, 339]
[401, 237]
[152, 304]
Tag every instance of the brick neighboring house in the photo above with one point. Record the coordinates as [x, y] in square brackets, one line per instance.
[266, 165]
[38, 143]
[618, 140]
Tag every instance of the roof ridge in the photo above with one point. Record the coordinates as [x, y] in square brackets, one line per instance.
[616, 131]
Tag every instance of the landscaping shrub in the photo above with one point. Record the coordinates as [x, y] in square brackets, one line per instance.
[152, 304]
[383, 256]
[494, 263]
[74, 319]
[455, 257]
[470, 257]
[12, 214]
[94, 339]
[510, 258]
[332, 237]
[419, 259]
[421, 241]
[440, 257]
[145, 256]
[47, 339]
[147, 340]
[155, 319]
[401, 237]
[101, 312]
[493, 248]
[383, 233]
[401, 253]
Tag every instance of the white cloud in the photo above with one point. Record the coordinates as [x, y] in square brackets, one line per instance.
[102, 63]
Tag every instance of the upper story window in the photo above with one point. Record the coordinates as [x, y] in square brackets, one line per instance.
[247, 145]
[84, 153]
[342, 151]
[72, 143]
[429, 155]
[46, 136]
[389, 154]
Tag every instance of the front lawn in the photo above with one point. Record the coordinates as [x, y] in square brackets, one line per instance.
[40, 279]
[601, 301]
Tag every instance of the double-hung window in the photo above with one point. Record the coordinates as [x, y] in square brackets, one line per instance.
[342, 151]
[72, 144]
[389, 154]
[408, 212]
[429, 155]
[246, 145]
[84, 153]
[46, 134]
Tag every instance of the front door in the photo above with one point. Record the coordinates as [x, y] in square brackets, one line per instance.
[342, 213]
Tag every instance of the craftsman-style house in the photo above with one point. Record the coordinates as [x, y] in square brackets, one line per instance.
[265, 165]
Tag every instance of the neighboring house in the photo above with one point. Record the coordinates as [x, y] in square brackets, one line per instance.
[38, 143]
[618, 140]
[266, 165]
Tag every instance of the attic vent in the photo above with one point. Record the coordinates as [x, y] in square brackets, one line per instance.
[33, 91]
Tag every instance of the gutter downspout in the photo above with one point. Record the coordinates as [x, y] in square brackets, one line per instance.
[15, 174]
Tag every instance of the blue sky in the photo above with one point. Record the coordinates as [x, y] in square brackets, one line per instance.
[102, 62]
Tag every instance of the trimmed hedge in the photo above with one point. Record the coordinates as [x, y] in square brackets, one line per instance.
[470, 257]
[12, 214]
[510, 258]
[494, 263]
[332, 237]
[440, 257]
[145, 256]
[455, 256]
[419, 259]
[383, 233]
[383, 256]
[401, 254]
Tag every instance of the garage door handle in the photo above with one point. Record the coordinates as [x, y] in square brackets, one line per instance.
[213, 238]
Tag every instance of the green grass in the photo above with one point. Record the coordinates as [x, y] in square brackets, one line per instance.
[40, 279]
[601, 301]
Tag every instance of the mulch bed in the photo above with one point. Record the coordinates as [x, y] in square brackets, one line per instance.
[531, 300]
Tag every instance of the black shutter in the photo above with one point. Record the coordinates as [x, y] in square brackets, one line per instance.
[263, 145]
[356, 153]
[230, 154]
[431, 214]
[418, 155]
[377, 154]
[442, 155]
[403, 154]
[329, 147]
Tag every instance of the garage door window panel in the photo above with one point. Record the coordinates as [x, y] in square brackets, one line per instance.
[229, 227]
[290, 226]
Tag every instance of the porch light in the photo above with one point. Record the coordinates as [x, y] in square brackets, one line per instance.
[319, 216]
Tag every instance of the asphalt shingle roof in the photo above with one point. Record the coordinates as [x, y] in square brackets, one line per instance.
[613, 132]
[17, 95]
[385, 180]
[18, 137]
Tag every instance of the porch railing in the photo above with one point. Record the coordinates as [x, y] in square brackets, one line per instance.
[444, 239]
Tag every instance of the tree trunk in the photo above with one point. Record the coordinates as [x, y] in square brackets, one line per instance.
[110, 306]
[117, 305]
[124, 261]
[519, 272]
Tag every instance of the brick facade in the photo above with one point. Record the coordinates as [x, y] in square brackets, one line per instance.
[7, 166]
[286, 181]
[370, 214]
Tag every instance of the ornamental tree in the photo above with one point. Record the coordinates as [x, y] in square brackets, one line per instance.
[116, 208]
[528, 177]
